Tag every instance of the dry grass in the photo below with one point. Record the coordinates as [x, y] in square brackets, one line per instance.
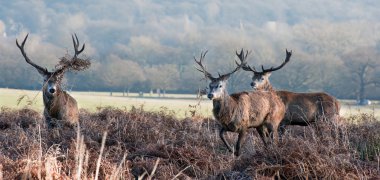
[73, 64]
[156, 145]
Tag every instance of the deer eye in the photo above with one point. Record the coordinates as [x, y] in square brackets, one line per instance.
[220, 86]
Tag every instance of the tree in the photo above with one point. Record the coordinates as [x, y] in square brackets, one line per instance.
[119, 73]
[164, 77]
[364, 66]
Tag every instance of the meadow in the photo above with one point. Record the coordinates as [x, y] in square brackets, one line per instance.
[182, 105]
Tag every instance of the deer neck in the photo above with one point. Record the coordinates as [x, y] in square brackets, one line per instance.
[266, 87]
[221, 107]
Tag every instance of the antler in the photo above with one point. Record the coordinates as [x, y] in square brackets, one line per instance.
[243, 62]
[74, 63]
[288, 54]
[203, 69]
[287, 59]
[241, 56]
[76, 45]
[39, 68]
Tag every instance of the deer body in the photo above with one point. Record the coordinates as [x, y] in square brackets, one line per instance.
[248, 110]
[62, 106]
[301, 108]
[58, 104]
[241, 111]
[306, 108]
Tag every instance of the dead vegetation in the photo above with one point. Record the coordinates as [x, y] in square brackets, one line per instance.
[155, 145]
[73, 64]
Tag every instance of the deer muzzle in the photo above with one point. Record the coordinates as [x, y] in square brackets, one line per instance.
[52, 91]
[210, 96]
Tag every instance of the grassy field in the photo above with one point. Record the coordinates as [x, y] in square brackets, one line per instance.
[177, 103]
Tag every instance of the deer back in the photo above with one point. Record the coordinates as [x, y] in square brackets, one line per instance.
[305, 108]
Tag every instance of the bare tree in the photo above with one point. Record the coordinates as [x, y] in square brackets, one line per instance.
[363, 67]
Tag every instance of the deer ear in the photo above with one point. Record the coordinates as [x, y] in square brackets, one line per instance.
[267, 74]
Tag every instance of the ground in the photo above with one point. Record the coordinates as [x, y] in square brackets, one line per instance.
[178, 103]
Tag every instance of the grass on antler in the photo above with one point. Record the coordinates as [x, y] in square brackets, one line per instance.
[74, 64]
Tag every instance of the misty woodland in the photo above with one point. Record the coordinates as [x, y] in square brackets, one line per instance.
[275, 83]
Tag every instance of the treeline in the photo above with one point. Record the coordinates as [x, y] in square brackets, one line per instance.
[143, 46]
[344, 76]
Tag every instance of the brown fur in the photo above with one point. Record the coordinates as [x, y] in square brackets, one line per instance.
[61, 106]
[306, 108]
[301, 108]
[241, 111]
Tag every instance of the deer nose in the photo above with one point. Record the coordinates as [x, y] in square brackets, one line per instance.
[252, 84]
[52, 90]
[210, 96]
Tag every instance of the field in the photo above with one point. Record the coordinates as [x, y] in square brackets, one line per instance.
[179, 104]
[120, 139]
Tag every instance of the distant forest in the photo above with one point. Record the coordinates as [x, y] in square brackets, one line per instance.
[143, 45]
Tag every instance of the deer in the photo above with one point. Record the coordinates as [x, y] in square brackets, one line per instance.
[301, 108]
[58, 104]
[241, 111]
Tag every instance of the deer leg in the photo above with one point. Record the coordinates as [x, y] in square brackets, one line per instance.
[48, 120]
[261, 132]
[273, 132]
[269, 132]
[241, 139]
[221, 134]
[281, 131]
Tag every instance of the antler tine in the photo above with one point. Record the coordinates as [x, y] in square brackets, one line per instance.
[76, 45]
[203, 69]
[287, 59]
[242, 59]
[249, 68]
[39, 68]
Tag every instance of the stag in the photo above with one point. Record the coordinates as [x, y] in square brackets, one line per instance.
[239, 112]
[301, 108]
[59, 105]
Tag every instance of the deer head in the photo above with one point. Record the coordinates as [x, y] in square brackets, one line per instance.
[217, 86]
[261, 78]
[52, 79]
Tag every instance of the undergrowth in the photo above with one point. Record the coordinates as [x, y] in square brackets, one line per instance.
[119, 144]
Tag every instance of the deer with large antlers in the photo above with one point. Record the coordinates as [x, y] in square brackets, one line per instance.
[240, 111]
[301, 108]
[59, 105]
